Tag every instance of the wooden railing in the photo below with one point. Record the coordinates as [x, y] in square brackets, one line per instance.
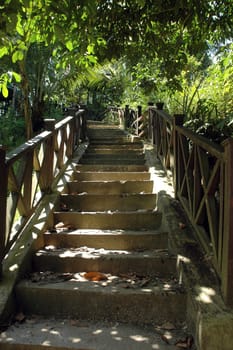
[28, 172]
[202, 173]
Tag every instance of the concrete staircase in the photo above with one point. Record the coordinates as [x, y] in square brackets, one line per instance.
[105, 257]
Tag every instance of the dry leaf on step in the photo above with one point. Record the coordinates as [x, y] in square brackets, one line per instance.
[95, 276]
[182, 225]
[185, 343]
[20, 317]
[165, 339]
[168, 326]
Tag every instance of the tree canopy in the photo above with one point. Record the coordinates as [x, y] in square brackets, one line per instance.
[78, 34]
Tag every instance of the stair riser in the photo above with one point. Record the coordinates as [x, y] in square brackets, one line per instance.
[105, 221]
[123, 147]
[111, 202]
[111, 176]
[165, 267]
[111, 168]
[17, 346]
[114, 139]
[107, 241]
[113, 157]
[136, 308]
[112, 161]
[114, 187]
[128, 153]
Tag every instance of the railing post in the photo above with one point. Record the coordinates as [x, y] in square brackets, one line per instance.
[3, 204]
[150, 122]
[227, 252]
[178, 121]
[49, 161]
[126, 116]
[83, 119]
[139, 122]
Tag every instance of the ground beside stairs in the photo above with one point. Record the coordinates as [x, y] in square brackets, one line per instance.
[104, 277]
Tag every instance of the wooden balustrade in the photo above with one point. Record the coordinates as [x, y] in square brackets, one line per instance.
[202, 173]
[27, 173]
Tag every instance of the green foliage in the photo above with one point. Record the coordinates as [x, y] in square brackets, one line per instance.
[12, 130]
[53, 45]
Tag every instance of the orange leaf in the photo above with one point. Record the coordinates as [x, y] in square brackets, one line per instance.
[95, 276]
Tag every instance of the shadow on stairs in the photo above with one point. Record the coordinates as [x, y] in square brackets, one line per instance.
[102, 276]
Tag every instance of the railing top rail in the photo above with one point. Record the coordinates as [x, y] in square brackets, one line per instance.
[210, 146]
[162, 113]
[79, 111]
[25, 147]
[63, 122]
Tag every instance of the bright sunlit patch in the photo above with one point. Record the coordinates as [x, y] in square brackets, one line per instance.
[117, 338]
[34, 235]
[147, 290]
[98, 331]
[205, 295]
[139, 338]
[114, 333]
[46, 343]
[75, 340]
[13, 267]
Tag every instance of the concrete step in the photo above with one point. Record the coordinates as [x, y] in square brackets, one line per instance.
[115, 140]
[110, 176]
[124, 147]
[114, 155]
[114, 151]
[38, 333]
[129, 299]
[128, 220]
[101, 202]
[107, 239]
[111, 168]
[105, 132]
[112, 161]
[151, 263]
[110, 187]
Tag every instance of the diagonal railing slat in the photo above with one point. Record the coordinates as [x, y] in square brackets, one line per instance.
[202, 177]
[27, 173]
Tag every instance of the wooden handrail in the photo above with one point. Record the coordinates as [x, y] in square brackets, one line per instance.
[28, 172]
[202, 175]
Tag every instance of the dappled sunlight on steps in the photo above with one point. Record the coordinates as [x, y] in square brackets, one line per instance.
[107, 223]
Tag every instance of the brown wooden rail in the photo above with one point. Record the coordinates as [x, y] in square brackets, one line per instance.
[27, 173]
[203, 181]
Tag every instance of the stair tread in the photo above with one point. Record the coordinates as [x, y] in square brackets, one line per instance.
[85, 335]
[99, 232]
[110, 212]
[102, 253]
[116, 167]
[126, 284]
[120, 243]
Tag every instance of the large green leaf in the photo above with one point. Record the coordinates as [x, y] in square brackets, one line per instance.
[4, 91]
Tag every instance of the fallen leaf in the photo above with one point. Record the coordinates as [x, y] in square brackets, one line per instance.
[20, 317]
[95, 276]
[165, 339]
[61, 226]
[185, 343]
[181, 344]
[182, 225]
[168, 326]
[144, 282]
[190, 341]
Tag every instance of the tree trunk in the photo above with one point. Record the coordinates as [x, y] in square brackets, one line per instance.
[26, 103]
